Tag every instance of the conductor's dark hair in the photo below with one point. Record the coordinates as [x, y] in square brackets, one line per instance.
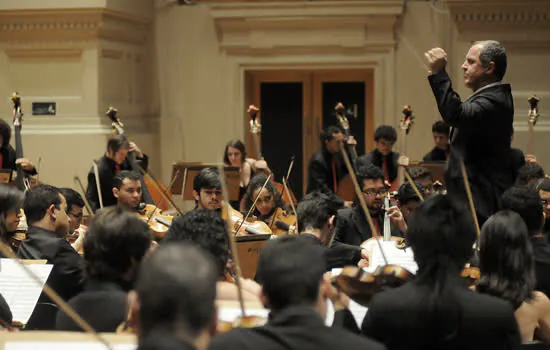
[316, 208]
[207, 178]
[37, 201]
[72, 197]
[493, 51]
[441, 234]
[327, 134]
[255, 184]
[117, 143]
[177, 290]
[114, 242]
[525, 201]
[238, 144]
[528, 173]
[11, 200]
[5, 132]
[441, 127]
[119, 178]
[206, 229]
[386, 132]
[506, 259]
[290, 270]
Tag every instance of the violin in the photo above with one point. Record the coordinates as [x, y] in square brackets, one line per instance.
[240, 322]
[153, 217]
[281, 223]
[250, 226]
[471, 275]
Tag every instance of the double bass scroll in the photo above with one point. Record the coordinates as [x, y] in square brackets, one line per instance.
[532, 118]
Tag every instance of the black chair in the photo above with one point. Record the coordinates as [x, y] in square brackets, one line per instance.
[43, 317]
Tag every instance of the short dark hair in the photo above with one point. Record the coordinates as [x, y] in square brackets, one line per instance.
[117, 142]
[493, 51]
[5, 132]
[119, 178]
[316, 209]
[506, 259]
[525, 201]
[386, 132]
[543, 185]
[206, 229]
[290, 270]
[441, 127]
[11, 200]
[37, 201]
[528, 172]
[367, 171]
[114, 241]
[327, 134]
[238, 144]
[176, 287]
[406, 193]
[72, 197]
[256, 183]
[208, 178]
[419, 172]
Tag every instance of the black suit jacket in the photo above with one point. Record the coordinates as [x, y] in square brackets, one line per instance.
[67, 276]
[541, 252]
[107, 170]
[352, 229]
[293, 328]
[101, 304]
[8, 160]
[436, 155]
[319, 174]
[481, 136]
[163, 340]
[376, 158]
[397, 318]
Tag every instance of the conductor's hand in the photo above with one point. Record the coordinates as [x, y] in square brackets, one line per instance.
[437, 59]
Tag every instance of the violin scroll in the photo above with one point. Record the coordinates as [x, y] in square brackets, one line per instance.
[408, 119]
[255, 125]
[533, 110]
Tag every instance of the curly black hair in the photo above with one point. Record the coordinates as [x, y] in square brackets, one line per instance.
[5, 132]
[256, 183]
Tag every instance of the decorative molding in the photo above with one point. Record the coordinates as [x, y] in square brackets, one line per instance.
[517, 23]
[20, 27]
[44, 53]
[325, 27]
[114, 54]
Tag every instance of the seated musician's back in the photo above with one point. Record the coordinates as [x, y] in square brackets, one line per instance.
[437, 310]
[291, 271]
[115, 244]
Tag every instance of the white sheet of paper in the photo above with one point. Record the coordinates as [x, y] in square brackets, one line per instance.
[45, 345]
[395, 256]
[358, 311]
[19, 289]
[230, 314]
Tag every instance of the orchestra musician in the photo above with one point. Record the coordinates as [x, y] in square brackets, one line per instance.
[543, 186]
[110, 164]
[46, 211]
[326, 167]
[7, 152]
[423, 177]
[383, 155]
[115, 245]
[529, 174]
[482, 124]
[11, 201]
[127, 190]
[207, 189]
[75, 205]
[440, 152]
[507, 271]
[291, 271]
[235, 155]
[408, 200]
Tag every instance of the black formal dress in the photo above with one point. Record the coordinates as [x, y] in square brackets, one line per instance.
[436, 155]
[323, 169]
[398, 319]
[296, 327]
[387, 163]
[481, 136]
[352, 229]
[102, 304]
[107, 169]
[67, 275]
[8, 160]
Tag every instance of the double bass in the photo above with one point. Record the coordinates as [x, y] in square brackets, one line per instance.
[345, 186]
[532, 118]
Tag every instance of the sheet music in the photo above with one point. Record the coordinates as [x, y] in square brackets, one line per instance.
[230, 314]
[395, 256]
[50, 345]
[19, 289]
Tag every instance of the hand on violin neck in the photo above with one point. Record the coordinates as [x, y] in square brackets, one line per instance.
[25, 164]
[134, 148]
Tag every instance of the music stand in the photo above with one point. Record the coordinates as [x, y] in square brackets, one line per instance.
[185, 172]
[5, 176]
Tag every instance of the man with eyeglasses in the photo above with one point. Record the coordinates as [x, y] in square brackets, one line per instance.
[352, 227]
[75, 206]
[408, 200]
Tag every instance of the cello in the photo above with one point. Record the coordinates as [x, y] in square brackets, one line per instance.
[20, 182]
[405, 127]
[532, 118]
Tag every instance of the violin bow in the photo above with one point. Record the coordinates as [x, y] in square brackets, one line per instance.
[63, 305]
[232, 244]
[470, 197]
[97, 183]
[161, 198]
[86, 203]
[253, 204]
[359, 195]
[287, 192]
[156, 183]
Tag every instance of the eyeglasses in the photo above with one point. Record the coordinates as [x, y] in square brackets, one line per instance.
[374, 193]
[544, 202]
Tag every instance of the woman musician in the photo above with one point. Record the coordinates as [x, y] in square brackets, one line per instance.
[11, 200]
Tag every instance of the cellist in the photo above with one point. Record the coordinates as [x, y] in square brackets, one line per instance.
[7, 152]
[114, 161]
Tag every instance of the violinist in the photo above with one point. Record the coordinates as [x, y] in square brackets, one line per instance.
[175, 299]
[423, 177]
[75, 205]
[326, 167]
[114, 246]
[508, 272]
[207, 189]
[235, 155]
[206, 229]
[383, 155]
[437, 310]
[482, 125]
[408, 200]
[113, 162]
[11, 201]
[440, 152]
[529, 174]
[352, 227]
[543, 186]
[7, 152]
[127, 190]
[291, 271]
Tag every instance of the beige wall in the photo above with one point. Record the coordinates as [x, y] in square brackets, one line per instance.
[176, 73]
